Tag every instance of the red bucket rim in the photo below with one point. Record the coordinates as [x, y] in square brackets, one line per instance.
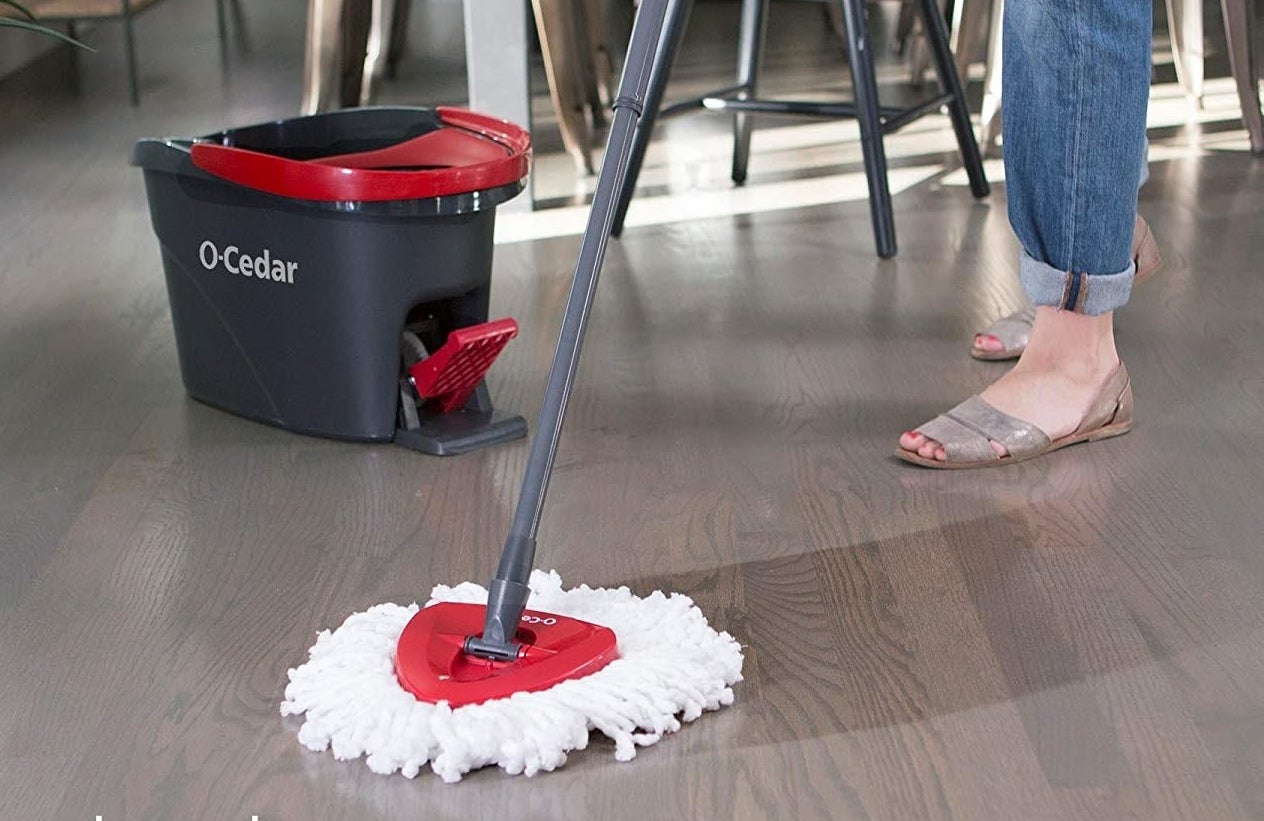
[321, 181]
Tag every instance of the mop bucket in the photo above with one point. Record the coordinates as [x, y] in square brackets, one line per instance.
[312, 264]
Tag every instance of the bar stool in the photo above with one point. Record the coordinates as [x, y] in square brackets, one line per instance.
[1185, 24]
[1185, 27]
[876, 121]
[579, 68]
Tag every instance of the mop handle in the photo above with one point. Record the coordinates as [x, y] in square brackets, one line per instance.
[508, 592]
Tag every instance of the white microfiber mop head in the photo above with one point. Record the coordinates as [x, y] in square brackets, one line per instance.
[672, 667]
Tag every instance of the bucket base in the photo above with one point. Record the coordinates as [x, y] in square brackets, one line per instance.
[447, 434]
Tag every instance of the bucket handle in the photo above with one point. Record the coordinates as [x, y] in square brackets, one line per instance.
[321, 181]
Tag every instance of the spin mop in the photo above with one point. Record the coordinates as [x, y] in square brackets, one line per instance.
[475, 678]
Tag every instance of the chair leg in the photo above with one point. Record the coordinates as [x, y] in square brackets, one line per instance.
[865, 90]
[559, 41]
[1239, 29]
[903, 27]
[585, 53]
[937, 35]
[129, 43]
[599, 46]
[674, 24]
[357, 23]
[965, 35]
[990, 112]
[751, 35]
[399, 37]
[240, 29]
[383, 19]
[835, 17]
[919, 55]
[1185, 30]
[322, 78]
[223, 31]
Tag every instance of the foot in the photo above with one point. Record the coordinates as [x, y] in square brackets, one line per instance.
[1062, 371]
[988, 344]
[1007, 337]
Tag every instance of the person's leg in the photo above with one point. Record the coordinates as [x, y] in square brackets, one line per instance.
[1076, 86]
[1007, 337]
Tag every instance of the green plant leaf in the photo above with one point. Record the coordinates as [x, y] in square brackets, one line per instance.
[21, 8]
[6, 22]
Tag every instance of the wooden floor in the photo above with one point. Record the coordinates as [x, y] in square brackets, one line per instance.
[1081, 637]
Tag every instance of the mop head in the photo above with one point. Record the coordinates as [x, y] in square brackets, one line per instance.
[672, 667]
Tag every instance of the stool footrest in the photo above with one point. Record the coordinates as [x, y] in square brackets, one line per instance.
[893, 118]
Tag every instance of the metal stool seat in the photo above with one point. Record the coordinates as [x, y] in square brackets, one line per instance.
[876, 120]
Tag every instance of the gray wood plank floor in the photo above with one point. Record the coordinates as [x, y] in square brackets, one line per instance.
[1080, 637]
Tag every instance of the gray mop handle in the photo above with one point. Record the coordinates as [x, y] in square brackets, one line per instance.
[509, 591]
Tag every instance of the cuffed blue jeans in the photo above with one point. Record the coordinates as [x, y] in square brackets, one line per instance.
[1076, 80]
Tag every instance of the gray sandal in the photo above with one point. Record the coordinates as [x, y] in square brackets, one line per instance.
[1013, 330]
[967, 431]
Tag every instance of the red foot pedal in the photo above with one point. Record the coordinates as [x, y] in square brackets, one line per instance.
[451, 374]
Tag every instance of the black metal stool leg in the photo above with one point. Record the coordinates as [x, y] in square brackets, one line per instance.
[674, 23]
[865, 88]
[750, 53]
[950, 82]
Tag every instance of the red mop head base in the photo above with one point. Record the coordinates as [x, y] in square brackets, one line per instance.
[431, 663]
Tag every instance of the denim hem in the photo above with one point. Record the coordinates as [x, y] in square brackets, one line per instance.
[1091, 294]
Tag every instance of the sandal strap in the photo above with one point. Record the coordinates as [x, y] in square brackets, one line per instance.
[1020, 438]
[1013, 330]
[1108, 401]
[961, 443]
[967, 430]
